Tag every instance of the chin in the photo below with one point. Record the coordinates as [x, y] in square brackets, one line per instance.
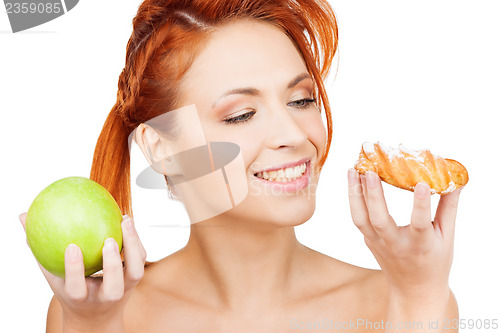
[291, 217]
[273, 212]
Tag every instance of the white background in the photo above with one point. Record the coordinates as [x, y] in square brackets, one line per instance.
[424, 73]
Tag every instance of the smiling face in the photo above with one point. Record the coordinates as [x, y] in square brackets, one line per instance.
[251, 87]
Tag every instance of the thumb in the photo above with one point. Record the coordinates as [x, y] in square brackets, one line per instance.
[446, 212]
[22, 218]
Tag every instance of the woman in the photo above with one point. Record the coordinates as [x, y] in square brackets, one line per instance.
[254, 71]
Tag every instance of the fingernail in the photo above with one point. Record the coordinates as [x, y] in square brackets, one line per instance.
[110, 246]
[371, 179]
[422, 190]
[362, 179]
[351, 176]
[130, 226]
[72, 252]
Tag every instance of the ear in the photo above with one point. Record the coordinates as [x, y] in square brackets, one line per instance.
[150, 143]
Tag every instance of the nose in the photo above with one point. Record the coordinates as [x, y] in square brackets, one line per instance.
[284, 129]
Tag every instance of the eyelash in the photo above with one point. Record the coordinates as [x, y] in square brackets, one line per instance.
[240, 119]
[306, 102]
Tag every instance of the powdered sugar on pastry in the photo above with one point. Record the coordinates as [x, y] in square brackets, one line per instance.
[451, 187]
[415, 153]
[368, 147]
[389, 151]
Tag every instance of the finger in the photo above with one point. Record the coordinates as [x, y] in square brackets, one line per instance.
[22, 218]
[421, 219]
[357, 204]
[135, 255]
[74, 274]
[363, 187]
[446, 212]
[111, 289]
[380, 219]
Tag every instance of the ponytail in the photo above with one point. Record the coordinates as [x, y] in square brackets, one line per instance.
[111, 162]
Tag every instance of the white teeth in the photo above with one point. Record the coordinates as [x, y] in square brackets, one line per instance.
[284, 175]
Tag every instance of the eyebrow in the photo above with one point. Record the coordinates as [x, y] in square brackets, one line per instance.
[255, 92]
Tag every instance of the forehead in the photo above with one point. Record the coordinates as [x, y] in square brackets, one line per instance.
[243, 54]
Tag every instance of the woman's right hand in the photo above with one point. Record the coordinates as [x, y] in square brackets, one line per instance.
[95, 303]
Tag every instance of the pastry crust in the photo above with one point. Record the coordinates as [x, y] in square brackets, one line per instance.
[406, 168]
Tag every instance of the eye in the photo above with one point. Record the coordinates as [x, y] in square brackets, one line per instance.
[302, 103]
[240, 119]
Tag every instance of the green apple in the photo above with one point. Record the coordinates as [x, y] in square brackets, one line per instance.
[72, 210]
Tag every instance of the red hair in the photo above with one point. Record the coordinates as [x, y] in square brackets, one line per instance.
[167, 35]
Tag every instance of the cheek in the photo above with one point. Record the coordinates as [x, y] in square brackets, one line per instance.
[250, 149]
[312, 124]
[249, 143]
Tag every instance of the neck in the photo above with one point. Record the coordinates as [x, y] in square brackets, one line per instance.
[249, 268]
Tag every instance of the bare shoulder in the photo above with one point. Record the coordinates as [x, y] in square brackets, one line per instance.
[363, 291]
[345, 273]
[54, 317]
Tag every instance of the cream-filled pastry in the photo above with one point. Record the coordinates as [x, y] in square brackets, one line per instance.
[405, 168]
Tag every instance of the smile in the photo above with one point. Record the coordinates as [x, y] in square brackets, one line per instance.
[283, 175]
[286, 178]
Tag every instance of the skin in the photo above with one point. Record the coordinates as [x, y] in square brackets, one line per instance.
[244, 270]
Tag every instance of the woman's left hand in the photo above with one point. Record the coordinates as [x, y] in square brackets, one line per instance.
[416, 258]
